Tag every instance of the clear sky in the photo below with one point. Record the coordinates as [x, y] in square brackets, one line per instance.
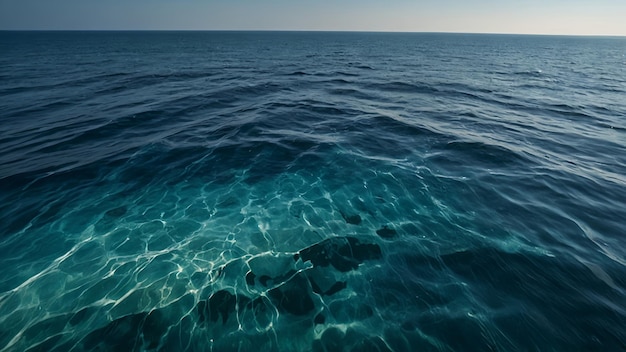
[593, 17]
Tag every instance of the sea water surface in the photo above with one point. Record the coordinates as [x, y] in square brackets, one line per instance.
[276, 191]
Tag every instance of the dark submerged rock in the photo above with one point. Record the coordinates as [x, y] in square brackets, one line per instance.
[294, 293]
[331, 340]
[128, 333]
[81, 316]
[268, 281]
[264, 279]
[343, 253]
[293, 297]
[250, 278]
[386, 232]
[338, 286]
[256, 312]
[116, 212]
[371, 344]
[220, 303]
[352, 219]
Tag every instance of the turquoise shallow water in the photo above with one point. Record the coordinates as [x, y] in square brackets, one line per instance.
[197, 191]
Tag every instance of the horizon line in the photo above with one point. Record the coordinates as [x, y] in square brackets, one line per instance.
[314, 31]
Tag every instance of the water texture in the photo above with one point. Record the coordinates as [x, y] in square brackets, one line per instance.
[275, 191]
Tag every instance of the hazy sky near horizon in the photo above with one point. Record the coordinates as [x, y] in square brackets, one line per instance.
[585, 17]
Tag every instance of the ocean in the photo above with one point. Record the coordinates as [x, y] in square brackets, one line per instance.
[312, 191]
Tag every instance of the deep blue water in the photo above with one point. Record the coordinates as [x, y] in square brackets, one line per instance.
[198, 191]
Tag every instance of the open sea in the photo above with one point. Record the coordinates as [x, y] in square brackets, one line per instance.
[312, 191]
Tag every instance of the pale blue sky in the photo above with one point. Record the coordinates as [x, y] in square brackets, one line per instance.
[595, 17]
